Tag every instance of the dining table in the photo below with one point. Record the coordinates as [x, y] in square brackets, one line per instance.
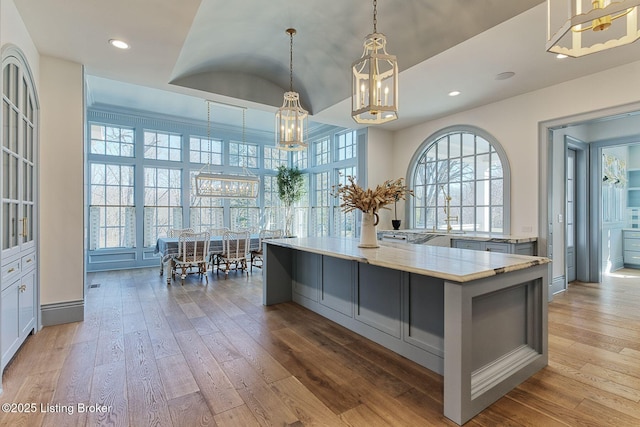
[167, 247]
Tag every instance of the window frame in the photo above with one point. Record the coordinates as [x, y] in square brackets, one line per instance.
[436, 137]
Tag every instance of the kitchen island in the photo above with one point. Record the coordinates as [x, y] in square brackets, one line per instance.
[477, 318]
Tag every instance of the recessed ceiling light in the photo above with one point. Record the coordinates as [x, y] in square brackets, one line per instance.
[561, 56]
[506, 75]
[119, 44]
[454, 93]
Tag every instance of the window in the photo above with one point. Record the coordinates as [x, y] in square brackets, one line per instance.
[205, 151]
[111, 140]
[301, 159]
[320, 209]
[111, 209]
[162, 146]
[344, 223]
[205, 213]
[274, 157]
[460, 179]
[346, 145]
[301, 211]
[245, 214]
[162, 202]
[274, 216]
[321, 151]
[243, 155]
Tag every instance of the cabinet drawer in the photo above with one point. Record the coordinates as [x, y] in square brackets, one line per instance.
[631, 234]
[29, 261]
[10, 271]
[631, 257]
[497, 247]
[631, 244]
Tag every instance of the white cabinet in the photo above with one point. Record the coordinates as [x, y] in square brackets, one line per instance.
[631, 248]
[18, 212]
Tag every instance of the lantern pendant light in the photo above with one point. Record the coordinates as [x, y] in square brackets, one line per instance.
[374, 90]
[581, 27]
[291, 118]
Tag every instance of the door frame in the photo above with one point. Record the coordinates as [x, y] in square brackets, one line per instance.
[582, 215]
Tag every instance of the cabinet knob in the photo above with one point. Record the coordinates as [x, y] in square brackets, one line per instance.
[22, 288]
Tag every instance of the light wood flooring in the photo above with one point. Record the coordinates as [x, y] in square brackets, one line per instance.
[198, 355]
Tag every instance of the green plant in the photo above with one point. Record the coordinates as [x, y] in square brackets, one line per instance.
[290, 190]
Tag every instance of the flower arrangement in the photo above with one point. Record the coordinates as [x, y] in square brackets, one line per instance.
[355, 197]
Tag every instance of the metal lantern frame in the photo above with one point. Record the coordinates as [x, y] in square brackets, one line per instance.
[374, 84]
[291, 118]
[580, 27]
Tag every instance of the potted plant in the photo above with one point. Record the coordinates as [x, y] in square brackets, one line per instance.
[396, 222]
[290, 190]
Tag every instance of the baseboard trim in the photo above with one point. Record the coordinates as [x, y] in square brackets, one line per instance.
[62, 312]
[558, 284]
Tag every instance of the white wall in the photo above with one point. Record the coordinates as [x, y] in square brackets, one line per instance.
[514, 123]
[61, 181]
[380, 168]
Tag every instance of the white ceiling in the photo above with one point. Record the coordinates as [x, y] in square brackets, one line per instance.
[238, 53]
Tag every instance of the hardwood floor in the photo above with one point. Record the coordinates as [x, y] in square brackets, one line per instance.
[198, 355]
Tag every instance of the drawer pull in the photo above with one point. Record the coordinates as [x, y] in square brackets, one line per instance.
[29, 260]
[11, 270]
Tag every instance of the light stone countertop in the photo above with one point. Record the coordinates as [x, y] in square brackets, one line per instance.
[458, 265]
[437, 237]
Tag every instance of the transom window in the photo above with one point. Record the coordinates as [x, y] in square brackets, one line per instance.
[460, 178]
[346, 145]
[112, 140]
[162, 146]
[205, 151]
[243, 155]
[322, 151]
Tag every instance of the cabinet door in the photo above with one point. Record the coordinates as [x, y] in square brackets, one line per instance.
[26, 295]
[10, 333]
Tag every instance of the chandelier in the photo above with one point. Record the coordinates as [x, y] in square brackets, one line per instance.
[210, 184]
[291, 118]
[580, 27]
[374, 90]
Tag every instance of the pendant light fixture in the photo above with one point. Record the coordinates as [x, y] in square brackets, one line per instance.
[291, 118]
[228, 186]
[374, 90]
[580, 27]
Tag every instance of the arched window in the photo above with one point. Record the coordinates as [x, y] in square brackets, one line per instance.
[461, 179]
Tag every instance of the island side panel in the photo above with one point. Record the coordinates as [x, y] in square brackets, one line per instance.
[277, 274]
[495, 338]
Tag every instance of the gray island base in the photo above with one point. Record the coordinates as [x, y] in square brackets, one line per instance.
[477, 318]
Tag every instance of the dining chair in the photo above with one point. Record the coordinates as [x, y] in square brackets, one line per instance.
[193, 251]
[235, 246]
[216, 246]
[256, 254]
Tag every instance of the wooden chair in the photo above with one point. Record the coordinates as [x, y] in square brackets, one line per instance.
[193, 251]
[256, 254]
[235, 246]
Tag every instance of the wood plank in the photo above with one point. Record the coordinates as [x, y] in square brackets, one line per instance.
[240, 416]
[220, 347]
[37, 389]
[191, 410]
[303, 403]
[176, 377]
[144, 387]
[162, 338]
[267, 408]
[109, 389]
[214, 385]
[203, 325]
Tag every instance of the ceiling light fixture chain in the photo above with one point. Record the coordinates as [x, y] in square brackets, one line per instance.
[375, 16]
[291, 32]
